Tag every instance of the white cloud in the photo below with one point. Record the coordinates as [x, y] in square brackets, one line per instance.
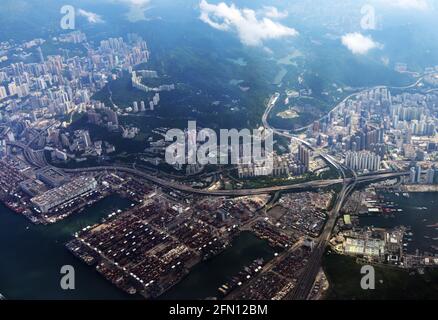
[90, 16]
[137, 9]
[268, 50]
[273, 13]
[251, 30]
[135, 3]
[138, 2]
[358, 43]
[407, 4]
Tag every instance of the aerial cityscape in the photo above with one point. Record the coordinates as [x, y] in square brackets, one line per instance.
[219, 150]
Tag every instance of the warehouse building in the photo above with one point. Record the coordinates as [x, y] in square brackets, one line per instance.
[67, 192]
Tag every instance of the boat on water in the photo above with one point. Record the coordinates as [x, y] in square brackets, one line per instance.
[2, 297]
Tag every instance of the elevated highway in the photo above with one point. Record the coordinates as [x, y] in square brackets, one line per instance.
[185, 188]
[316, 184]
[305, 283]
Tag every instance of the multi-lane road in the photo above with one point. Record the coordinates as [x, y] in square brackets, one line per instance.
[316, 184]
[306, 280]
[305, 283]
[188, 189]
[310, 185]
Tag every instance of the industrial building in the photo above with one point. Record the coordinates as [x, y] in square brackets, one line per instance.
[60, 195]
[366, 247]
[51, 176]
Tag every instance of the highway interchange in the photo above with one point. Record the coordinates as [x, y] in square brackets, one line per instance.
[348, 183]
[305, 282]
